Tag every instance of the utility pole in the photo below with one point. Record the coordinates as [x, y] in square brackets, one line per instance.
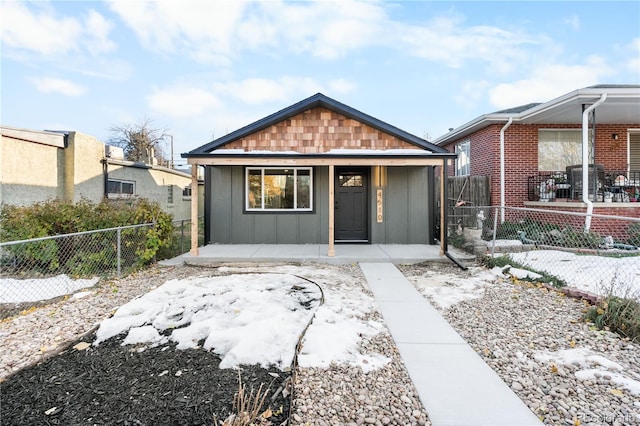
[171, 160]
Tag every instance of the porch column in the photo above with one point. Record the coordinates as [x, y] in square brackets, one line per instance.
[194, 210]
[443, 206]
[332, 250]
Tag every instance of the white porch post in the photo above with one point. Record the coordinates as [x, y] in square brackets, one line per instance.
[194, 210]
[443, 226]
[332, 250]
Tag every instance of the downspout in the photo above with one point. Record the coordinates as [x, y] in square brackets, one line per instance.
[105, 178]
[585, 161]
[502, 167]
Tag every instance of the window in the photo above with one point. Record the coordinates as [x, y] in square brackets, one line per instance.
[463, 165]
[558, 149]
[186, 191]
[634, 152]
[279, 189]
[170, 194]
[121, 188]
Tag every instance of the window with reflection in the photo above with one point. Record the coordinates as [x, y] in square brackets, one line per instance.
[463, 162]
[274, 189]
[350, 180]
[560, 148]
[120, 188]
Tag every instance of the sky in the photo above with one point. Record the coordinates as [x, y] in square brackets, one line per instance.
[202, 69]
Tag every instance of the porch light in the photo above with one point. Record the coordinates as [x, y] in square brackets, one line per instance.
[614, 136]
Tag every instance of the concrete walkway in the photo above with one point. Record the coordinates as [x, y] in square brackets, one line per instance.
[455, 385]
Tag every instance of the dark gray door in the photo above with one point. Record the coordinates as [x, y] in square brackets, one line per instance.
[351, 212]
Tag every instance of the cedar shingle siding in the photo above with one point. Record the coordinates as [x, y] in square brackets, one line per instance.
[317, 131]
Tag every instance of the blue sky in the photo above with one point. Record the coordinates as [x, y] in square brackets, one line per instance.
[201, 69]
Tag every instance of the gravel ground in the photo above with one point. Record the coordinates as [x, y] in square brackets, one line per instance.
[340, 394]
[509, 326]
[513, 322]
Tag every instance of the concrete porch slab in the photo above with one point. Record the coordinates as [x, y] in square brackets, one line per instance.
[344, 253]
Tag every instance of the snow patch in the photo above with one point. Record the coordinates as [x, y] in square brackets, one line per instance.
[254, 318]
[584, 272]
[35, 289]
[447, 290]
[587, 359]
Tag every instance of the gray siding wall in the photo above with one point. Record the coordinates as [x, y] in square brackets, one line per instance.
[406, 211]
[405, 207]
[229, 224]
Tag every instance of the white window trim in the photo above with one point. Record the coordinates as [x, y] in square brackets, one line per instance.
[295, 190]
[467, 167]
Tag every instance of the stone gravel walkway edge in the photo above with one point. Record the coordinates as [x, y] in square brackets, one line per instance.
[455, 385]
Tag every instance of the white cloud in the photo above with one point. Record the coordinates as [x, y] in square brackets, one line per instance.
[470, 93]
[448, 41]
[219, 31]
[39, 31]
[182, 101]
[341, 85]
[548, 81]
[56, 85]
[201, 29]
[255, 91]
[573, 22]
[97, 30]
[330, 30]
[633, 63]
[208, 31]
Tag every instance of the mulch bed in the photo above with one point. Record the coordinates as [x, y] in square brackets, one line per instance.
[112, 384]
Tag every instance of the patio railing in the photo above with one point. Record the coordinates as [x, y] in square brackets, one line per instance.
[604, 185]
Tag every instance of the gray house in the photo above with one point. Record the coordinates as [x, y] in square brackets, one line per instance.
[320, 172]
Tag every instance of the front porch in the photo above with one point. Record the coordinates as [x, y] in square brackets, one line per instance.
[344, 253]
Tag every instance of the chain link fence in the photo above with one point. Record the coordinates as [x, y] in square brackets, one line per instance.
[181, 238]
[598, 252]
[45, 268]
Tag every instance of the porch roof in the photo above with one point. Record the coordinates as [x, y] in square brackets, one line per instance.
[362, 157]
[622, 106]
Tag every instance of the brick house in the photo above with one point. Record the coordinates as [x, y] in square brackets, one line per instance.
[534, 154]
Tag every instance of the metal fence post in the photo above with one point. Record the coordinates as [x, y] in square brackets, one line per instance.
[182, 236]
[119, 251]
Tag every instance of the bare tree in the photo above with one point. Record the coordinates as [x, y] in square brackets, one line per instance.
[140, 141]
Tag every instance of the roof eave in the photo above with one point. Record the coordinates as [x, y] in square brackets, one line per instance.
[444, 154]
[588, 93]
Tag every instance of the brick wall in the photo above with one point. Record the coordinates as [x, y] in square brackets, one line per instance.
[521, 154]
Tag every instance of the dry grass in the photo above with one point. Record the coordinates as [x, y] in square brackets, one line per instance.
[247, 407]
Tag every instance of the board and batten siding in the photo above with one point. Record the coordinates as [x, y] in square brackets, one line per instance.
[406, 207]
[405, 213]
[230, 224]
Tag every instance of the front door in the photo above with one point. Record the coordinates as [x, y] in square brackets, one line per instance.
[351, 206]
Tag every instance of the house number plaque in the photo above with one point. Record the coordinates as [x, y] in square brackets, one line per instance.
[379, 205]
